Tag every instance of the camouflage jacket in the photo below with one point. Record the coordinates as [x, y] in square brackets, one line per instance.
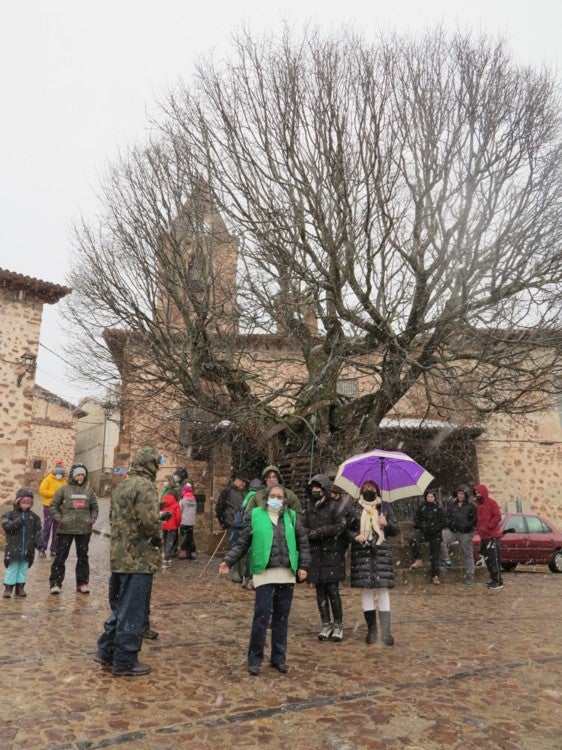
[136, 529]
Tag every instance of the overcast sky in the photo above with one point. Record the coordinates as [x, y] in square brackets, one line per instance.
[78, 79]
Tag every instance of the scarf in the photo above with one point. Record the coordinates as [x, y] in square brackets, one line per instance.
[370, 521]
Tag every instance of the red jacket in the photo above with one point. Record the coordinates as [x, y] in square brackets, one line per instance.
[170, 504]
[488, 514]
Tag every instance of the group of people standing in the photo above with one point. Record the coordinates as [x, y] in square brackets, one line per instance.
[284, 542]
[441, 527]
[287, 544]
[70, 510]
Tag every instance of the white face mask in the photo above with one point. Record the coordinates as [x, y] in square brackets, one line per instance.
[275, 503]
[59, 476]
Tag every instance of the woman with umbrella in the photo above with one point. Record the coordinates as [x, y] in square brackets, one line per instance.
[369, 522]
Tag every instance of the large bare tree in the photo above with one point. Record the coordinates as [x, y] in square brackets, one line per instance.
[405, 193]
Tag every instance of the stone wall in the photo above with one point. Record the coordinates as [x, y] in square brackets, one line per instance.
[522, 458]
[52, 437]
[20, 321]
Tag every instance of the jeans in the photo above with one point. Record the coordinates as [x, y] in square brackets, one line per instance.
[16, 572]
[170, 538]
[465, 542]
[272, 600]
[58, 568]
[129, 599]
[49, 525]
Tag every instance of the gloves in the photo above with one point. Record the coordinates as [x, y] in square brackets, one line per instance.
[165, 515]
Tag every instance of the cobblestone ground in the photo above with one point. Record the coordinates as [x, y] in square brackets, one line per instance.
[470, 669]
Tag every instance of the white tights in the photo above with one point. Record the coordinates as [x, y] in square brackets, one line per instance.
[368, 600]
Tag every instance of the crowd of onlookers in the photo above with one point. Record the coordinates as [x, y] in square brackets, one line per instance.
[274, 541]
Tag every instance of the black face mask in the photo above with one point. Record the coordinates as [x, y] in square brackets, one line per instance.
[369, 495]
[316, 494]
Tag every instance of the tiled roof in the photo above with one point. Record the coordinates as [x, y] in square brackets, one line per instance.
[43, 290]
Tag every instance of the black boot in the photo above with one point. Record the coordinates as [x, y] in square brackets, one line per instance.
[7, 591]
[386, 635]
[20, 591]
[371, 620]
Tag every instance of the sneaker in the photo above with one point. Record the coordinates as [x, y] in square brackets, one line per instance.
[416, 564]
[183, 555]
[436, 580]
[469, 580]
[135, 670]
[83, 589]
[446, 564]
[326, 632]
[494, 585]
[150, 634]
[55, 589]
[254, 670]
[337, 632]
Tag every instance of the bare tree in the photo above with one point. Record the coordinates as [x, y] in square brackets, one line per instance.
[404, 193]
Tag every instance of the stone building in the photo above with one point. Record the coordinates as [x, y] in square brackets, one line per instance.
[21, 307]
[54, 423]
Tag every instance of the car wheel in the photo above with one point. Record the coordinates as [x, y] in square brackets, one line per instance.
[508, 566]
[556, 563]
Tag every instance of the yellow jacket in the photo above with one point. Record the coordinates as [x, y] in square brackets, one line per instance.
[49, 486]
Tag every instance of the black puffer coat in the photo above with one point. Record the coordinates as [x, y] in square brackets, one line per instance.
[371, 564]
[23, 535]
[326, 534]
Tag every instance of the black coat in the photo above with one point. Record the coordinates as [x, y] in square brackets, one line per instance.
[23, 535]
[228, 504]
[371, 564]
[328, 541]
[429, 518]
[461, 518]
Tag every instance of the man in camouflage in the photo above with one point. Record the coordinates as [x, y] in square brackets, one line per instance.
[136, 539]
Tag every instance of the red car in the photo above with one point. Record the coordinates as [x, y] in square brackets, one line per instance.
[527, 540]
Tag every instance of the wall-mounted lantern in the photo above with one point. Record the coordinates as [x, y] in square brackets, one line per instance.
[28, 360]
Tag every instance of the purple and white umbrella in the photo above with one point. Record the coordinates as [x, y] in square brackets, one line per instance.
[396, 474]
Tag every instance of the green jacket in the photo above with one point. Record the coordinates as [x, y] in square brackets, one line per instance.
[75, 507]
[136, 529]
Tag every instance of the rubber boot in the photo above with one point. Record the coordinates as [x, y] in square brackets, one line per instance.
[20, 590]
[386, 635]
[7, 591]
[371, 620]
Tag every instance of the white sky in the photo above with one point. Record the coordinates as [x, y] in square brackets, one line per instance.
[77, 79]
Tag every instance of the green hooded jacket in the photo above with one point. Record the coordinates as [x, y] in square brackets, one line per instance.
[257, 500]
[136, 529]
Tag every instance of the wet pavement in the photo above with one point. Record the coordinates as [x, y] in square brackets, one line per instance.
[471, 668]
